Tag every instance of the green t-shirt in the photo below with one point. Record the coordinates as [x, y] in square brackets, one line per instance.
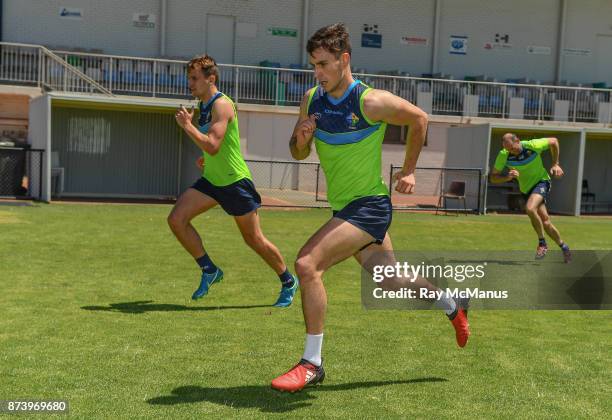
[228, 165]
[349, 146]
[528, 163]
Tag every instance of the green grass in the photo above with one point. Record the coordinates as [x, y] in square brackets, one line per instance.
[95, 309]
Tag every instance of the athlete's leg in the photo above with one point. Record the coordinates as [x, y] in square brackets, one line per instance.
[382, 254]
[190, 204]
[550, 229]
[334, 242]
[250, 229]
[456, 310]
[533, 203]
[553, 232]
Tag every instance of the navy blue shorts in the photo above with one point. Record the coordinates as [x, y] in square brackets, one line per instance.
[542, 188]
[371, 214]
[236, 199]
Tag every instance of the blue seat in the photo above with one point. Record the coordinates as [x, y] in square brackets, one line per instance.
[127, 77]
[145, 78]
[495, 101]
[163, 79]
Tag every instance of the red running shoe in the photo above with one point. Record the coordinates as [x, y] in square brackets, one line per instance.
[541, 252]
[462, 328]
[300, 376]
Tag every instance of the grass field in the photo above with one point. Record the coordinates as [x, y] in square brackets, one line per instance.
[96, 310]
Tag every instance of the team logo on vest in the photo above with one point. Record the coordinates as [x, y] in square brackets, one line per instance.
[525, 154]
[352, 120]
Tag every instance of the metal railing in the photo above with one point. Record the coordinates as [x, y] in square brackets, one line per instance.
[167, 78]
[123, 75]
[36, 65]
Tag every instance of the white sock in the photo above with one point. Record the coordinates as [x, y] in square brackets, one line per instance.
[312, 349]
[446, 303]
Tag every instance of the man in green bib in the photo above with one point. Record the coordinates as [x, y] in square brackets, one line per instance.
[226, 180]
[346, 121]
[523, 159]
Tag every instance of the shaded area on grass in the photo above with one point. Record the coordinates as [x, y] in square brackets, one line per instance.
[142, 306]
[264, 397]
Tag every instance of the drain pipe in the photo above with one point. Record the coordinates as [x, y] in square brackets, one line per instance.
[305, 15]
[436, 38]
[162, 27]
[561, 40]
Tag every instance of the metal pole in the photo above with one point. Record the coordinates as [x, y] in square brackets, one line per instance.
[575, 103]
[505, 99]
[154, 78]
[390, 179]
[65, 71]
[236, 78]
[40, 70]
[276, 88]
[479, 187]
[110, 74]
[540, 104]
[609, 107]
[40, 174]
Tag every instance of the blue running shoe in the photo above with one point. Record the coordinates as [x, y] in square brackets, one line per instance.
[207, 281]
[287, 293]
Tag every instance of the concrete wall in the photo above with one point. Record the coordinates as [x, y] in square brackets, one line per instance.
[587, 56]
[187, 28]
[525, 22]
[104, 25]
[395, 19]
[586, 53]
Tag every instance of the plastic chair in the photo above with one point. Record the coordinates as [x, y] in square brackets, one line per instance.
[456, 191]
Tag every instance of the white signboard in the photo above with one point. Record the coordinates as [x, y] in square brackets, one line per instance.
[144, 20]
[413, 40]
[458, 44]
[576, 51]
[71, 13]
[539, 50]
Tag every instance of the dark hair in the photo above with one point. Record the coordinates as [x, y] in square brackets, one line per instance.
[333, 38]
[205, 63]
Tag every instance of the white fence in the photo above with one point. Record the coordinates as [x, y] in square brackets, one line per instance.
[121, 75]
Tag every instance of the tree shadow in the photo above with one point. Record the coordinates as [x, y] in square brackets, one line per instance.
[142, 306]
[265, 398]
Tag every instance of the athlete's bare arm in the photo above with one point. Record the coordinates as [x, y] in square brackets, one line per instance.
[496, 176]
[380, 105]
[301, 139]
[222, 114]
[555, 169]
